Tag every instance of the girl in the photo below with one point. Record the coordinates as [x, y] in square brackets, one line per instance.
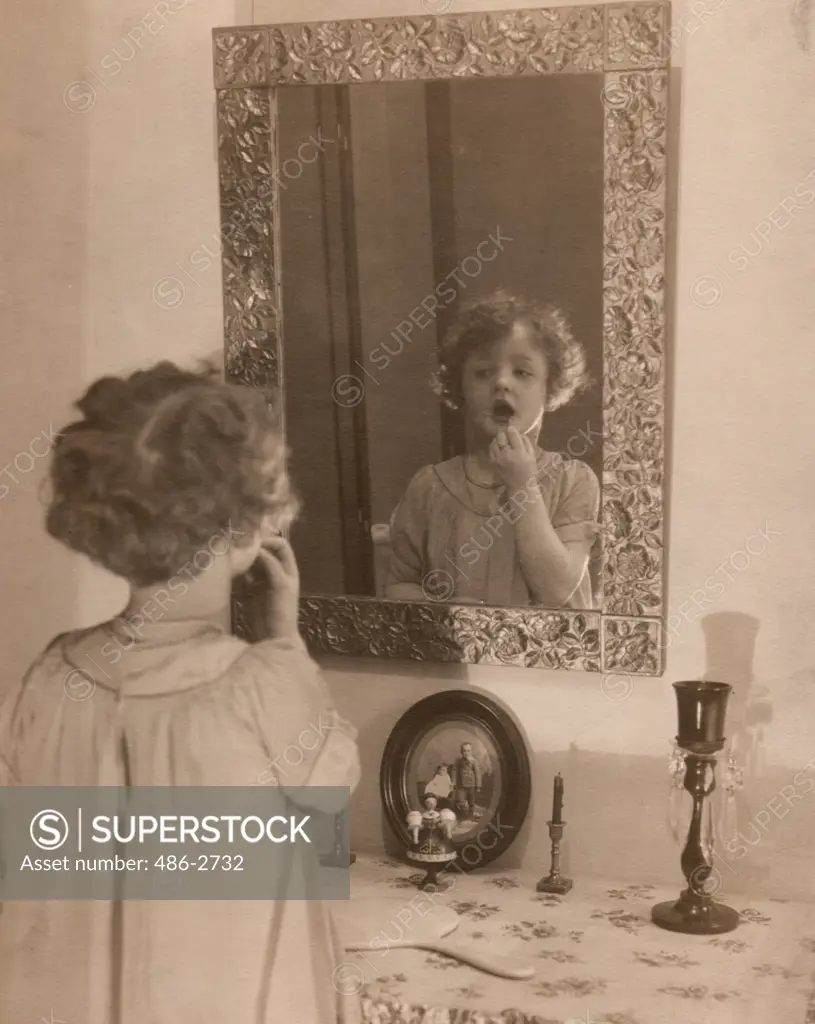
[440, 785]
[173, 481]
[507, 523]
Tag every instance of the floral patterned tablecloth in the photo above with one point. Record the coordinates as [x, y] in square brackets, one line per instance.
[599, 958]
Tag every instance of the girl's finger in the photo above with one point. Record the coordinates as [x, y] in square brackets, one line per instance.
[271, 564]
[283, 551]
[278, 560]
[269, 532]
[514, 438]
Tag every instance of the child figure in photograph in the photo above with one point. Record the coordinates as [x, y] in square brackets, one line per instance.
[467, 780]
[507, 523]
[440, 786]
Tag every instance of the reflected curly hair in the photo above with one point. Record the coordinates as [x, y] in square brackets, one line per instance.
[160, 463]
[490, 320]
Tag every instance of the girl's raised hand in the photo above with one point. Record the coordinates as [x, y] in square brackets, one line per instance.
[515, 459]
[277, 558]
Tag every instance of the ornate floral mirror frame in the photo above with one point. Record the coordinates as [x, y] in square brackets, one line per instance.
[629, 44]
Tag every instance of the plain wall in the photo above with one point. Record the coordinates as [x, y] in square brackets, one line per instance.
[100, 205]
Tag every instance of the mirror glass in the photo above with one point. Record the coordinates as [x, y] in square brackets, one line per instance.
[461, 217]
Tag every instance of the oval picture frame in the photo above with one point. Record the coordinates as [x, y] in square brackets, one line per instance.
[424, 750]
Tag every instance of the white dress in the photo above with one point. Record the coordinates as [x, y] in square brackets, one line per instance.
[439, 786]
[191, 706]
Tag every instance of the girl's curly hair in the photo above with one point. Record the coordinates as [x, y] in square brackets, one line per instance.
[161, 462]
[490, 320]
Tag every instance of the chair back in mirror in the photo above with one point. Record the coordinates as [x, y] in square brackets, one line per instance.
[381, 537]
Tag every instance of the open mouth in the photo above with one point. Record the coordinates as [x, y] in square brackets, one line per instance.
[502, 410]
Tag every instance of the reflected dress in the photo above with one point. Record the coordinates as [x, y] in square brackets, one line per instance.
[463, 535]
[184, 704]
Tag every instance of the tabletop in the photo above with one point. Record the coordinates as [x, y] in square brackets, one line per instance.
[599, 959]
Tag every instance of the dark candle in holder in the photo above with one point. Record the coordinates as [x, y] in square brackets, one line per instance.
[554, 881]
[701, 707]
[557, 801]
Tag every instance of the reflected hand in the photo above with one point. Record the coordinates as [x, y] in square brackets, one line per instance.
[515, 459]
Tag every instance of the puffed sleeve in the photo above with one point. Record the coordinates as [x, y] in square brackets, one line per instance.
[409, 531]
[284, 699]
[576, 513]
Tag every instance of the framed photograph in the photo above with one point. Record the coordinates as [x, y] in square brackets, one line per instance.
[464, 751]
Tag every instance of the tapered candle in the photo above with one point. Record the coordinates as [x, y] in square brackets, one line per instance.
[557, 802]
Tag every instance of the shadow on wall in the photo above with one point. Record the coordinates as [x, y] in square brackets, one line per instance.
[802, 13]
[773, 812]
[730, 643]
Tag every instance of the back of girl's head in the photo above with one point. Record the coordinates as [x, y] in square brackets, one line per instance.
[161, 462]
[490, 320]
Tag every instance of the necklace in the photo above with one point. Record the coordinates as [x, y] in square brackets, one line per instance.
[475, 483]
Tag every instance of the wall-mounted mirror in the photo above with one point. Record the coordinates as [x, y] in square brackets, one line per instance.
[445, 238]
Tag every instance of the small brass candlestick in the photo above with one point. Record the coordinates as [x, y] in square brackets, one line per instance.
[340, 856]
[554, 881]
[701, 706]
